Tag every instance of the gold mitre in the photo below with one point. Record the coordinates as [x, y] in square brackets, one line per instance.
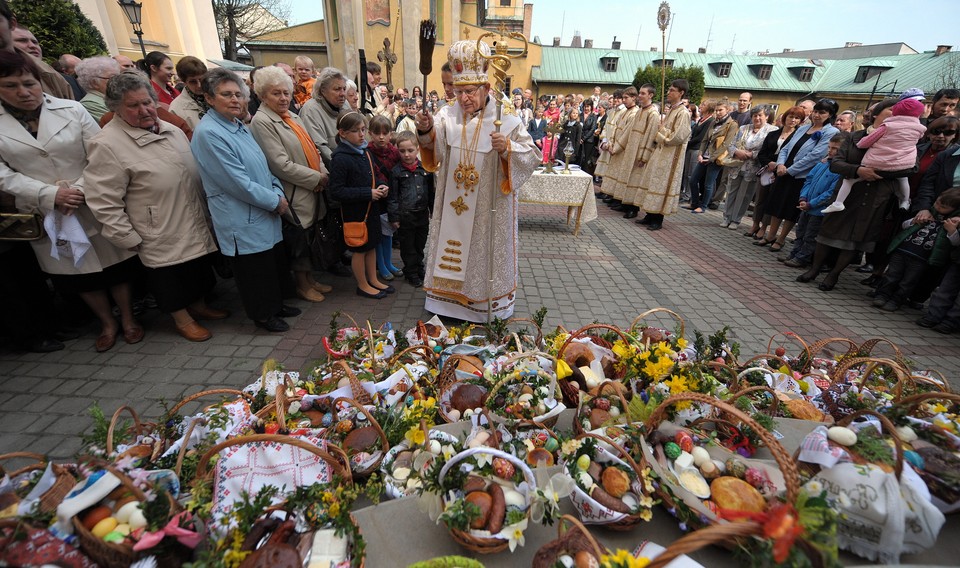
[469, 68]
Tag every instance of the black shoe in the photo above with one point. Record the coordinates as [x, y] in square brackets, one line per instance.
[415, 282]
[273, 324]
[655, 227]
[872, 293]
[825, 287]
[890, 306]
[388, 290]
[631, 214]
[288, 311]
[865, 269]
[878, 301]
[713, 206]
[914, 304]
[607, 198]
[378, 296]
[66, 335]
[871, 280]
[45, 346]
[621, 207]
[945, 328]
[644, 221]
[925, 322]
[794, 263]
[804, 278]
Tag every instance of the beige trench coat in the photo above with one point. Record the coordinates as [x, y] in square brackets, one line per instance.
[30, 168]
[287, 161]
[145, 190]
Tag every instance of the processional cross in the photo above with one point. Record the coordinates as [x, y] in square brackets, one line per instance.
[389, 59]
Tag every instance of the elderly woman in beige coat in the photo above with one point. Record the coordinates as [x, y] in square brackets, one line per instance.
[294, 158]
[319, 114]
[143, 185]
[43, 142]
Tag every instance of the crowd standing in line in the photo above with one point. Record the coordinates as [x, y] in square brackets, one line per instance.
[154, 178]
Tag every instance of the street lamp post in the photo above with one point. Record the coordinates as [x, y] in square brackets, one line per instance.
[131, 8]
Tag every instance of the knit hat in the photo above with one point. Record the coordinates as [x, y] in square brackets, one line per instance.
[469, 68]
[908, 107]
[914, 93]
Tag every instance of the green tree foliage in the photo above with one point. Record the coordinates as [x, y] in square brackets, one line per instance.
[60, 28]
[692, 73]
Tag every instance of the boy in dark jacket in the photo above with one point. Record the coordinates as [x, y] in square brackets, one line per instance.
[919, 245]
[409, 205]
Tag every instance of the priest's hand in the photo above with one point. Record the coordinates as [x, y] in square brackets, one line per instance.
[499, 142]
[424, 121]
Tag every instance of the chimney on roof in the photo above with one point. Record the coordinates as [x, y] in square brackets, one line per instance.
[941, 49]
[615, 44]
[765, 52]
[576, 42]
[654, 49]
[527, 19]
[679, 50]
[852, 44]
[701, 50]
[556, 41]
[788, 50]
[588, 43]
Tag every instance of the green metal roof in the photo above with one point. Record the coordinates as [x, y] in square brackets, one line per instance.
[231, 65]
[581, 65]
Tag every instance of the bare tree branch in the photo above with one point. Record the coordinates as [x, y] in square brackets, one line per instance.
[239, 20]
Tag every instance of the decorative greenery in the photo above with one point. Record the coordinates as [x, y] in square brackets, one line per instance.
[95, 442]
[60, 27]
[872, 447]
[460, 514]
[217, 418]
[402, 421]
[539, 316]
[692, 73]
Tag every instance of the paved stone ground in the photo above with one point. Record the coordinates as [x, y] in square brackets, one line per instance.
[613, 271]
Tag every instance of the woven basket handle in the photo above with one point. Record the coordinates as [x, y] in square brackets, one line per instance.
[39, 459]
[425, 349]
[384, 443]
[356, 387]
[539, 337]
[524, 469]
[603, 387]
[233, 392]
[713, 534]
[138, 427]
[788, 335]
[334, 456]
[641, 317]
[575, 524]
[911, 402]
[886, 425]
[866, 350]
[582, 332]
[787, 465]
[623, 453]
[875, 363]
[851, 346]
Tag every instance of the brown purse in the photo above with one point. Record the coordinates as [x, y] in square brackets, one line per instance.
[355, 232]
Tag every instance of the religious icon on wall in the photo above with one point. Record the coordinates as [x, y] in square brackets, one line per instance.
[378, 12]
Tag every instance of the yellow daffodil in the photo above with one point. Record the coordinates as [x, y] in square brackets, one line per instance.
[415, 435]
[682, 343]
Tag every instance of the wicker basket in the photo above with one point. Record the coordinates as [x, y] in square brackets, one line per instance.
[65, 478]
[481, 544]
[868, 347]
[551, 416]
[636, 321]
[447, 380]
[582, 501]
[358, 472]
[669, 499]
[572, 537]
[605, 388]
[889, 429]
[148, 451]
[570, 390]
[119, 555]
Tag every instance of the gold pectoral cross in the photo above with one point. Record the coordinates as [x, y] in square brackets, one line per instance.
[459, 206]
[466, 177]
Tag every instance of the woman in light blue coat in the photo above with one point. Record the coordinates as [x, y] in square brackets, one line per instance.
[245, 201]
[798, 156]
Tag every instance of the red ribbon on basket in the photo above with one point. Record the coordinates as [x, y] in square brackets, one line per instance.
[781, 524]
[186, 537]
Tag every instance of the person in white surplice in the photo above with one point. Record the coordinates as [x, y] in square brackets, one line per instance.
[476, 167]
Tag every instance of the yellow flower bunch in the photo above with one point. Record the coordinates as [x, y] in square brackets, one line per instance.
[623, 559]
[557, 342]
[681, 343]
[233, 557]
[415, 435]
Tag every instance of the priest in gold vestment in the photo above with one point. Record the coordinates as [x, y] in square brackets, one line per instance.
[642, 137]
[479, 170]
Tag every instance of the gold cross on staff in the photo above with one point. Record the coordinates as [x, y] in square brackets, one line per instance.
[389, 59]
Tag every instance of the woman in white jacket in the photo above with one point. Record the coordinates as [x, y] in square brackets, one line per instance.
[43, 142]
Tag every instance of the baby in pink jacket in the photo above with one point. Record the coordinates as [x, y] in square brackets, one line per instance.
[891, 147]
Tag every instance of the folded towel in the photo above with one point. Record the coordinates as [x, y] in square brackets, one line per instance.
[67, 237]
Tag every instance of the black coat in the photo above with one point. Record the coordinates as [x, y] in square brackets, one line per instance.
[589, 135]
[939, 178]
[699, 133]
[410, 192]
[351, 181]
[570, 134]
[768, 151]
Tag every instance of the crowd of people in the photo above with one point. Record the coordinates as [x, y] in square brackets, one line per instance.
[150, 179]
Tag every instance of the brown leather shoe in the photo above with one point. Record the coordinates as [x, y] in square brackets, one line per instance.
[322, 288]
[208, 313]
[133, 335]
[193, 331]
[311, 295]
[105, 342]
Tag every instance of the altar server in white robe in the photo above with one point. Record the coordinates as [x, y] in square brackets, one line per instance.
[476, 167]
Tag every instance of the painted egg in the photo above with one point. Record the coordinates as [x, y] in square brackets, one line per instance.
[539, 439]
[672, 450]
[503, 469]
[327, 420]
[114, 537]
[684, 440]
[913, 458]
[842, 435]
[735, 467]
[601, 403]
[757, 477]
[551, 445]
[583, 462]
[513, 498]
[434, 447]
[344, 426]
[122, 528]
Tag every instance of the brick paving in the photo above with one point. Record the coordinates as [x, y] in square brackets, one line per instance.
[613, 271]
